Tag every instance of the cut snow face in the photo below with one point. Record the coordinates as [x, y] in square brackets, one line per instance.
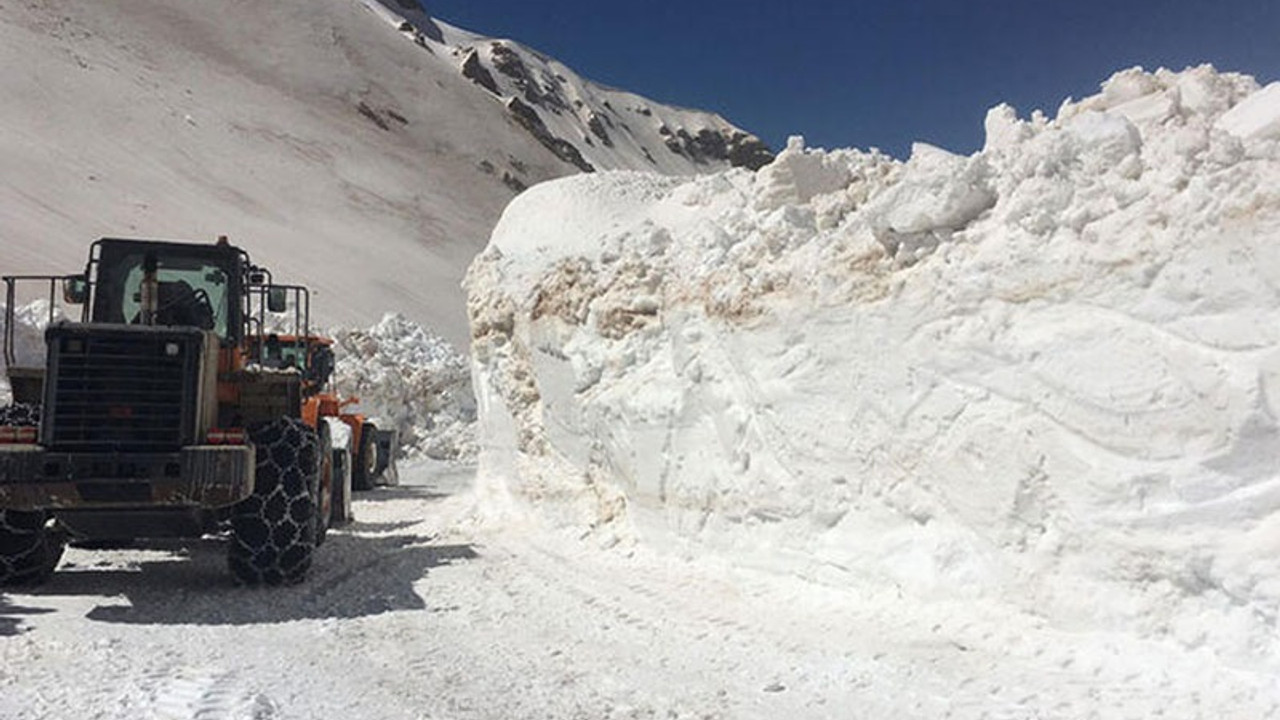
[1045, 374]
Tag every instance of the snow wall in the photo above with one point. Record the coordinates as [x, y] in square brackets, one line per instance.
[1046, 374]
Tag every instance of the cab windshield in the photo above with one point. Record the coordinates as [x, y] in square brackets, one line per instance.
[192, 291]
[280, 352]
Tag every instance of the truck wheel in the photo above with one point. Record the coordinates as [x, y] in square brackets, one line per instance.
[364, 465]
[273, 531]
[324, 495]
[341, 487]
[29, 550]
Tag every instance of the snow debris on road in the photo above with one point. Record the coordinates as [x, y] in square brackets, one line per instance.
[1045, 376]
[410, 379]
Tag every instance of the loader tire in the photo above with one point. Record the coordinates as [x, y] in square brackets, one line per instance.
[364, 465]
[324, 496]
[273, 531]
[20, 414]
[29, 549]
[341, 487]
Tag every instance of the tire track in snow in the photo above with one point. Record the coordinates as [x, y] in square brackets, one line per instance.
[210, 695]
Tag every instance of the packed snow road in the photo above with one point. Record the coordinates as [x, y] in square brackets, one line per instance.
[413, 612]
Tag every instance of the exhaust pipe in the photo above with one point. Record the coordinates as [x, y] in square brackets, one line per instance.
[150, 289]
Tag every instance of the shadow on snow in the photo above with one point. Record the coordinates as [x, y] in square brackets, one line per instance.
[353, 574]
[11, 616]
[402, 492]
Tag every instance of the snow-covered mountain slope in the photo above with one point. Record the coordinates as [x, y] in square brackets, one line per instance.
[1045, 375]
[341, 141]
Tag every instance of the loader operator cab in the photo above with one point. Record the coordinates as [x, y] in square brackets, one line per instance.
[311, 356]
[155, 283]
[211, 287]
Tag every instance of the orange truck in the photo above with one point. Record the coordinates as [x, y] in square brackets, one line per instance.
[372, 450]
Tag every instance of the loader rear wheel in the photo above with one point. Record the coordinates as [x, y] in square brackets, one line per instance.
[273, 531]
[364, 466]
[29, 549]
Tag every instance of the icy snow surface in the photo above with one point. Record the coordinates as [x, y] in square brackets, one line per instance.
[1045, 376]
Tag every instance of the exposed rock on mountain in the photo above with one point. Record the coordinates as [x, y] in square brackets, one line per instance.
[575, 118]
[473, 70]
[563, 149]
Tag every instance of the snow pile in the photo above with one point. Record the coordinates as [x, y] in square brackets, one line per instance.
[412, 380]
[30, 321]
[1046, 374]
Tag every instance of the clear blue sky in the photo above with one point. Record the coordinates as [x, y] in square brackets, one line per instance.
[877, 74]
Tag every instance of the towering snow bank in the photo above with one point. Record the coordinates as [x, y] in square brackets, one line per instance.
[1047, 373]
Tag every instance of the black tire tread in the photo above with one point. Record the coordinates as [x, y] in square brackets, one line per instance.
[20, 415]
[361, 477]
[29, 550]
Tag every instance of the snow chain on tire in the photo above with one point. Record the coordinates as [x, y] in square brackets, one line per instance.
[274, 530]
[20, 414]
[29, 550]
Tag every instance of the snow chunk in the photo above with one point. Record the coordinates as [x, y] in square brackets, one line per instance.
[1128, 85]
[938, 193]
[797, 175]
[1105, 140]
[1003, 129]
[1255, 118]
